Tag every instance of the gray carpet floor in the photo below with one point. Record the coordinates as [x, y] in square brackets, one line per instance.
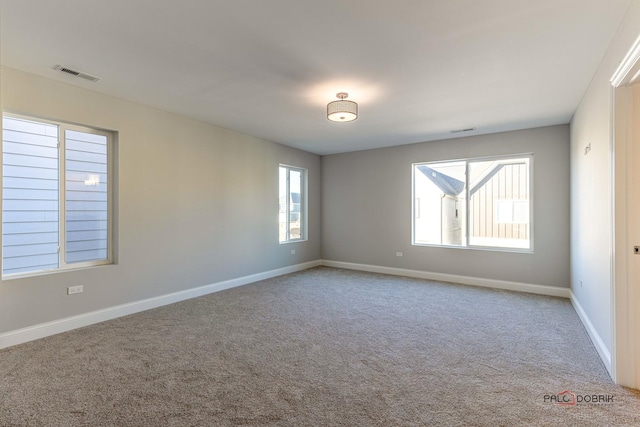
[323, 347]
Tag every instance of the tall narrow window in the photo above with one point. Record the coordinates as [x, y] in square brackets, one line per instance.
[56, 196]
[475, 202]
[292, 201]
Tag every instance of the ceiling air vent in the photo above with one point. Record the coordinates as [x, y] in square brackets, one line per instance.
[76, 73]
[462, 130]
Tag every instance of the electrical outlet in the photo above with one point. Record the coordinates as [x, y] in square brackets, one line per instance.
[293, 251]
[399, 254]
[75, 289]
[580, 283]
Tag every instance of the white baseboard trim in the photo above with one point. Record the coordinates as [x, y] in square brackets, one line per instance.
[601, 348]
[465, 280]
[42, 330]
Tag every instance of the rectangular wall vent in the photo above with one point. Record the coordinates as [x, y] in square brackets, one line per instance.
[76, 73]
[462, 130]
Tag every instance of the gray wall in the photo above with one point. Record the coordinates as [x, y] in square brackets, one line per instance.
[366, 208]
[197, 204]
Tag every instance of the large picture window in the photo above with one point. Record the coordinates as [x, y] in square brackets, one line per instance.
[475, 203]
[292, 197]
[56, 196]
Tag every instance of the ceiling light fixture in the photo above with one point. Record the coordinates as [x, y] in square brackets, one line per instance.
[342, 110]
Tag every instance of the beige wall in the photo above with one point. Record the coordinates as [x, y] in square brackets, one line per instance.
[197, 204]
[366, 208]
[591, 185]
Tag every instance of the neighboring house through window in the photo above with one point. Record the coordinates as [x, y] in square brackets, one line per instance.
[56, 196]
[473, 203]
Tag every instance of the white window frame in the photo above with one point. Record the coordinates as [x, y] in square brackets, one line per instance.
[466, 244]
[63, 265]
[303, 203]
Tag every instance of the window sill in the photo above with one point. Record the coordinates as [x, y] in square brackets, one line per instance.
[293, 241]
[27, 275]
[478, 248]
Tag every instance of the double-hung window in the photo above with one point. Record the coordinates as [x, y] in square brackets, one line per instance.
[56, 196]
[293, 204]
[484, 203]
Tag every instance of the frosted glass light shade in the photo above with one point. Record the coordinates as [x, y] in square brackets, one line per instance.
[342, 110]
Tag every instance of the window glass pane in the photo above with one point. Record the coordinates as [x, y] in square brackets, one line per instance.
[292, 204]
[86, 197]
[30, 196]
[282, 211]
[440, 203]
[499, 203]
[295, 185]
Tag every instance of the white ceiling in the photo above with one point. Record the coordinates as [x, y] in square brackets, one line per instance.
[417, 68]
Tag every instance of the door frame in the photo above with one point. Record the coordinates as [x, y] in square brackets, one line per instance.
[625, 297]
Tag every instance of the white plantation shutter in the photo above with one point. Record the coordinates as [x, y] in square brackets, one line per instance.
[53, 218]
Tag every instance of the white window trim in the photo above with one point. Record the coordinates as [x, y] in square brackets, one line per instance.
[303, 203]
[467, 246]
[63, 266]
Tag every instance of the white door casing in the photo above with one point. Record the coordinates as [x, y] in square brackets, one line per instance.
[625, 280]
